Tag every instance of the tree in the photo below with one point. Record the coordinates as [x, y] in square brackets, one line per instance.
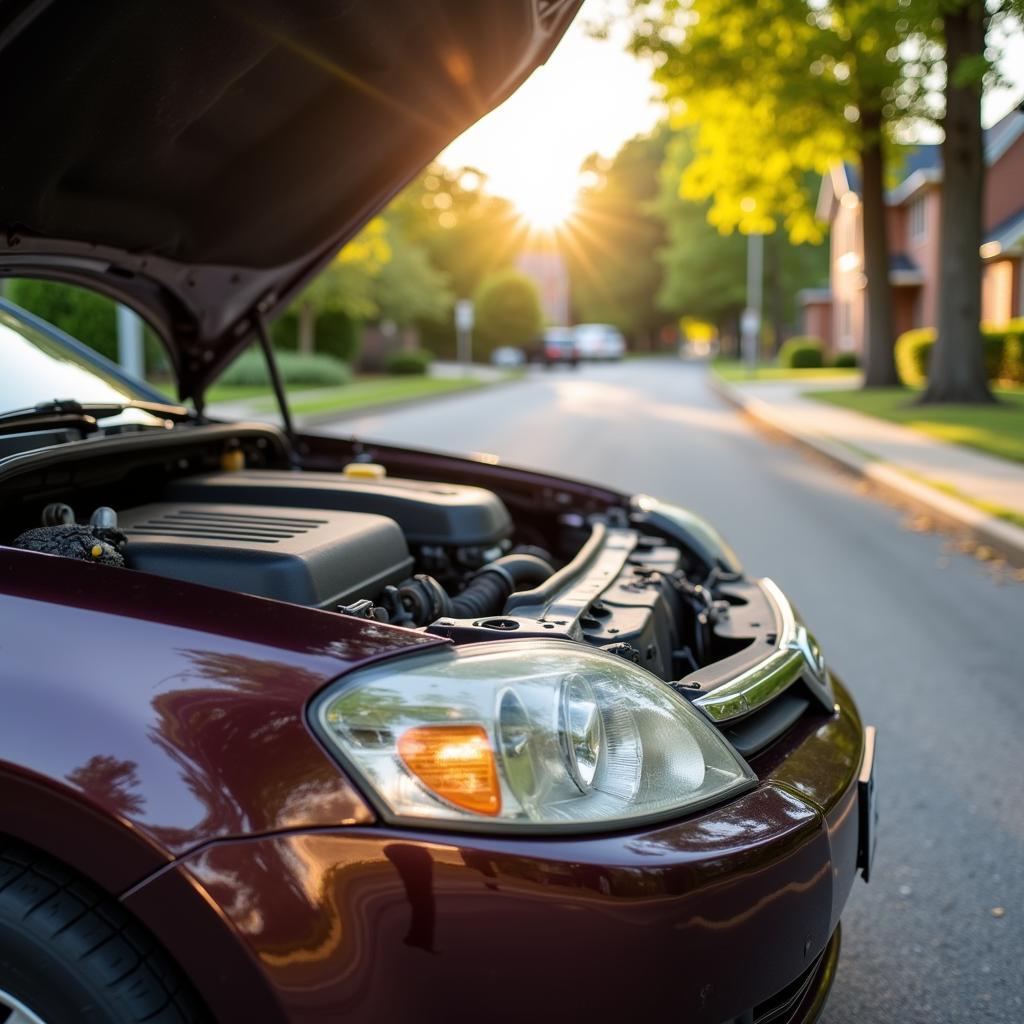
[409, 288]
[705, 270]
[345, 285]
[957, 370]
[779, 90]
[612, 237]
[507, 310]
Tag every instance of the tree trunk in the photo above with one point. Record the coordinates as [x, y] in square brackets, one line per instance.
[879, 357]
[307, 324]
[957, 370]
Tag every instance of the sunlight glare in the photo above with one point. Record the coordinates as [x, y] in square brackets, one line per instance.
[544, 201]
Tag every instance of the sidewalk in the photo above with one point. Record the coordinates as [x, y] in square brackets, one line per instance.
[919, 467]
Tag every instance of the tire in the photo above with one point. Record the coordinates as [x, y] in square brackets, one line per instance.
[71, 954]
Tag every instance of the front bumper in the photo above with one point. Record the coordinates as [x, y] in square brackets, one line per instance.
[699, 921]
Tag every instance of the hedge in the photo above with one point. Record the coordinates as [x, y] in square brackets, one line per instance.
[87, 316]
[409, 362]
[335, 334]
[846, 360]
[1003, 351]
[802, 353]
[250, 370]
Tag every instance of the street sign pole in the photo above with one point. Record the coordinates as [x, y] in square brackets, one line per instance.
[464, 331]
[750, 321]
[129, 342]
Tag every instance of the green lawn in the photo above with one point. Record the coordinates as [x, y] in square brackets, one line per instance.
[734, 370]
[375, 390]
[996, 429]
[368, 389]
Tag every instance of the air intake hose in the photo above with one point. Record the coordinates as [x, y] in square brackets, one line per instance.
[487, 592]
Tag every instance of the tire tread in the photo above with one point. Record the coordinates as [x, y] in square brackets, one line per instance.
[96, 937]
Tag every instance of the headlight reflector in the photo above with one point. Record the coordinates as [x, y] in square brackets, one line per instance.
[525, 734]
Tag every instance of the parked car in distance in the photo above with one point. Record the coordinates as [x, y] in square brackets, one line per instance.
[555, 347]
[508, 355]
[599, 342]
[300, 728]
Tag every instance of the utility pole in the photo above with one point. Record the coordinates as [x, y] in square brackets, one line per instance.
[750, 322]
[129, 342]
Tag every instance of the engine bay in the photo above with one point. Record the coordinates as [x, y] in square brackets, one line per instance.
[448, 557]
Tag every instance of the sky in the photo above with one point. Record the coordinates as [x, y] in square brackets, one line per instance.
[592, 96]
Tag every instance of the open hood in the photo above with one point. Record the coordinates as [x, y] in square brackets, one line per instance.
[201, 160]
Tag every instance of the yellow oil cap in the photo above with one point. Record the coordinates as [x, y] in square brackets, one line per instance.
[233, 460]
[365, 470]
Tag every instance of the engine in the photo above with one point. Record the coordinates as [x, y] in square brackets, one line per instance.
[434, 556]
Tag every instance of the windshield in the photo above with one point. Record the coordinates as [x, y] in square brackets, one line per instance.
[37, 367]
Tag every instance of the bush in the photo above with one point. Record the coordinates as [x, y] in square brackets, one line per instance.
[87, 316]
[250, 370]
[507, 311]
[1012, 369]
[846, 360]
[802, 354]
[913, 351]
[335, 334]
[1002, 348]
[409, 362]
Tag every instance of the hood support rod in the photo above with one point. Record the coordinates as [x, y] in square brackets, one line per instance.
[275, 379]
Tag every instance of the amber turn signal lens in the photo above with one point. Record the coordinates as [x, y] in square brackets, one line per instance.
[455, 762]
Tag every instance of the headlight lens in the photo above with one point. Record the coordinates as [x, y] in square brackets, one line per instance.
[531, 734]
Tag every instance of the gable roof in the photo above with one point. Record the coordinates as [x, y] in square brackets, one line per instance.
[919, 166]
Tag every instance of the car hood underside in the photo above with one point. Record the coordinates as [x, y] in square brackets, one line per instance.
[200, 160]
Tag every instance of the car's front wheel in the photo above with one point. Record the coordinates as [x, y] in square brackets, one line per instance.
[69, 952]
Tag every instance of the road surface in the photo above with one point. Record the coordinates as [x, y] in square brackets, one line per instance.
[931, 642]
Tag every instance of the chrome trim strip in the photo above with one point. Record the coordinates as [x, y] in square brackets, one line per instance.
[795, 654]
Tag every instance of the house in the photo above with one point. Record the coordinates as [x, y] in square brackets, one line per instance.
[912, 207]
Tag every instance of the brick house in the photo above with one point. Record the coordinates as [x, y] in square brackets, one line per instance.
[837, 315]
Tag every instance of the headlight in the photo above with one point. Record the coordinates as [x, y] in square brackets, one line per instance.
[531, 734]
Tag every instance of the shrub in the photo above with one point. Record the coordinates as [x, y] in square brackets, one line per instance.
[335, 333]
[802, 353]
[846, 360]
[913, 350]
[1001, 348]
[250, 370]
[409, 362]
[1012, 368]
[507, 311]
[993, 342]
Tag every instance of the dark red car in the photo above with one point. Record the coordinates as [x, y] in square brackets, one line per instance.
[302, 729]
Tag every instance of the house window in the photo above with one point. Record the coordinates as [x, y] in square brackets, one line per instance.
[918, 220]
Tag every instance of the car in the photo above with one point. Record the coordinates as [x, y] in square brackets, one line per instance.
[599, 342]
[508, 355]
[555, 347]
[300, 728]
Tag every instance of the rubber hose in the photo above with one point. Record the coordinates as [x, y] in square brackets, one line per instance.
[487, 592]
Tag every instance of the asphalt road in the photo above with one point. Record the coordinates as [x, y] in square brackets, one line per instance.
[930, 641]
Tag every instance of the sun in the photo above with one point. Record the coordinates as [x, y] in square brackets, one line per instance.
[545, 203]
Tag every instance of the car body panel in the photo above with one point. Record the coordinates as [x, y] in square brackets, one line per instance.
[172, 710]
[215, 156]
[709, 916]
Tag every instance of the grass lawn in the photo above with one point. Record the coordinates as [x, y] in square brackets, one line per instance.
[996, 429]
[368, 389]
[374, 390]
[734, 370]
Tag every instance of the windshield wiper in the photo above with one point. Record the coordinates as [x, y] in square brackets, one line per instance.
[85, 415]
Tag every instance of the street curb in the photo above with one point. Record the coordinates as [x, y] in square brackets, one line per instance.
[320, 418]
[984, 528]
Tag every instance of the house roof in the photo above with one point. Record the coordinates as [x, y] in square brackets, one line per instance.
[1006, 238]
[921, 166]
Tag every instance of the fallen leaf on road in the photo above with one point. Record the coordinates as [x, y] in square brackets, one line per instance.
[998, 911]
